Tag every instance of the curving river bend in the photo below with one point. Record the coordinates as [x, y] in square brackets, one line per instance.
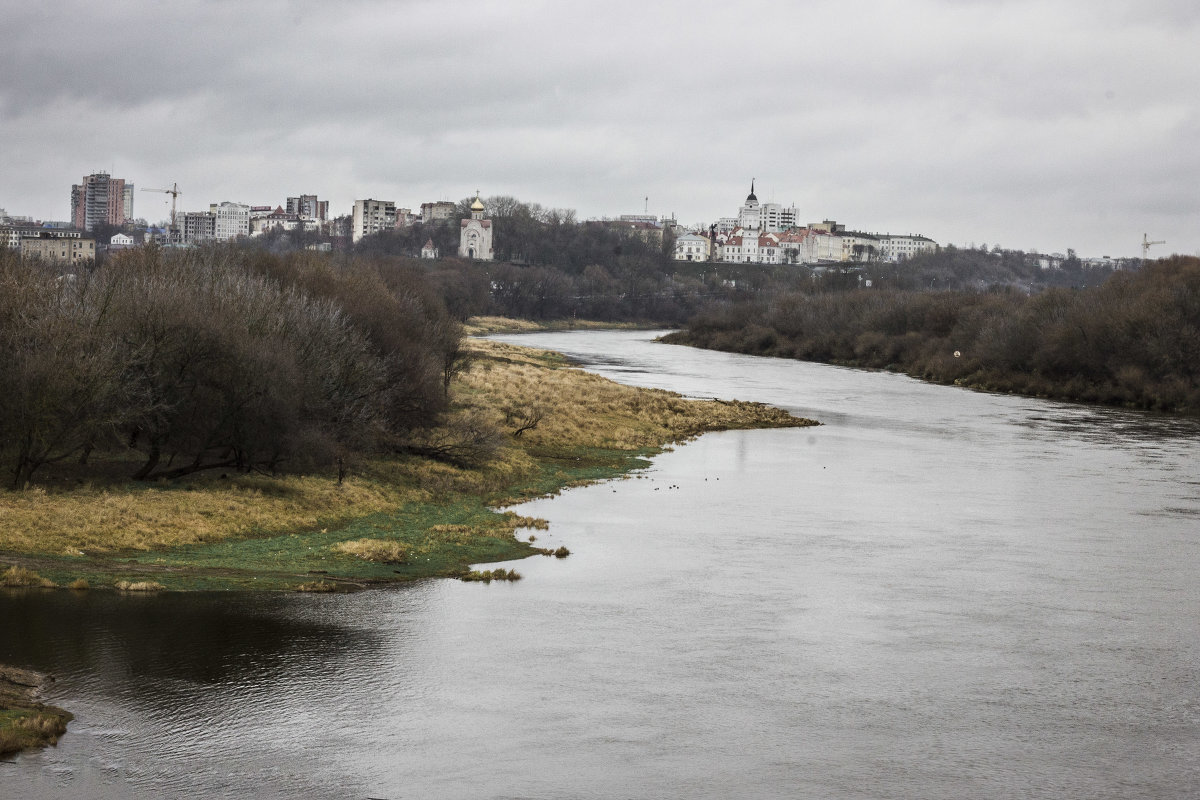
[936, 594]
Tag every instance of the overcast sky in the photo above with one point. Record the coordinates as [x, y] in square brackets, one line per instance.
[1043, 125]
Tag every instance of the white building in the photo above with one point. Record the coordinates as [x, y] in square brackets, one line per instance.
[748, 246]
[809, 246]
[475, 236]
[859, 247]
[429, 250]
[691, 247]
[765, 217]
[232, 220]
[901, 248]
[372, 216]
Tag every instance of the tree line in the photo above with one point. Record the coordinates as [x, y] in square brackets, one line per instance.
[218, 357]
[1133, 340]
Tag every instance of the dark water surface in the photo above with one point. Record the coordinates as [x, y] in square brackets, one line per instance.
[937, 594]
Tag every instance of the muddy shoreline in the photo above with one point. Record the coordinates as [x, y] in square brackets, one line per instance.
[26, 722]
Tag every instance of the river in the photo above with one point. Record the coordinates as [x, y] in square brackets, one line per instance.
[936, 594]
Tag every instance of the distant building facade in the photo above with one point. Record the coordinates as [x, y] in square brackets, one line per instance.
[11, 235]
[691, 247]
[231, 220]
[59, 249]
[195, 227]
[441, 211]
[901, 248]
[767, 233]
[307, 205]
[372, 216]
[764, 217]
[101, 198]
[429, 250]
[475, 234]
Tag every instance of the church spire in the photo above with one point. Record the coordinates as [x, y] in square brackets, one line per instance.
[751, 198]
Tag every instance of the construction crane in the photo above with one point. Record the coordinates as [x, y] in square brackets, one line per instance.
[1146, 245]
[174, 192]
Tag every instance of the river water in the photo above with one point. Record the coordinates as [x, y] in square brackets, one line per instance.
[936, 594]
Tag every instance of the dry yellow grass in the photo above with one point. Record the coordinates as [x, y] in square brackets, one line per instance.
[480, 325]
[16, 576]
[380, 550]
[577, 409]
[582, 409]
[94, 521]
[477, 326]
[139, 586]
[317, 587]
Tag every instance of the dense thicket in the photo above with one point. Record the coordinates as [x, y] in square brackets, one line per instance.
[217, 357]
[1134, 340]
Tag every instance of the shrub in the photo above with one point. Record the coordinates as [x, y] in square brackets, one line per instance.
[317, 587]
[487, 576]
[139, 586]
[380, 550]
[19, 576]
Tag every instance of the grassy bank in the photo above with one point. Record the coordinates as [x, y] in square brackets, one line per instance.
[392, 519]
[25, 721]
[479, 326]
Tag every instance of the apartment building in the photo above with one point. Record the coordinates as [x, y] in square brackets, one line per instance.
[59, 249]
[440, 211]
[231, 220]
[372, 216]
[101, 198]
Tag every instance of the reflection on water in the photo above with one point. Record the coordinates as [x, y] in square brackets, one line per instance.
[172, 691]
[936, 594]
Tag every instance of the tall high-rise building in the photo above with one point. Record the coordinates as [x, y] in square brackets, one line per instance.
[307, 205]
[372, 216]
[101, 198]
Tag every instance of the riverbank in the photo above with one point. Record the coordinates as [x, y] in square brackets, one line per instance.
[481, 326]
[544, 427]
[25, 721]
[1127, 343]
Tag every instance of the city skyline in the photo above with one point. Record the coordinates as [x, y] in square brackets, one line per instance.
[1034, 126]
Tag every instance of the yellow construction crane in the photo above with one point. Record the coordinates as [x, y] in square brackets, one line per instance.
[1146, 245]
[174, 192]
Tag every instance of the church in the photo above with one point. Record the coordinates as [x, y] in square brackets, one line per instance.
[475, 238]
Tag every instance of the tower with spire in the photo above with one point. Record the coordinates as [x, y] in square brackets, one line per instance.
[749, 218]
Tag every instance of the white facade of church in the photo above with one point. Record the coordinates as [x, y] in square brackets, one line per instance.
[475, 238]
